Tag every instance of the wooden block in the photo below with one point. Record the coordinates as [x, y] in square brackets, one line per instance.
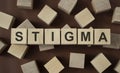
[77, 60]
[54, 66]
[100, 63]
[68, 36]
[2, 46]
[47, 14]
[26, 4]
[19, 36]
[117, 68]
[67, 5]
[100, 5]
[46, 47]
[116, 15]
[85, 36]
[6, 20]
[35, 36]
[26, 24]
[84, 17]
[66, 26]
[90, 45]
[102, 36]
[115, 41]
[52, 36]
[30, 67]
[18, 51]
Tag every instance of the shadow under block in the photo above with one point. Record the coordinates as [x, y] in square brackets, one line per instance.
[85, 36]
[46, 47]
[18, 51]
[100, 63]
[117, 68]
[6, 20]
[2, 46]
[77, 60]
[54, 66]
[26, 24]
[100, 5]
[84, 17]
[116, 16]
[47, 14]
[35, 36]
[67, 5]
[102, 36]
[25, 4]
[30, 67]
[52, 36]
[69, 36]
[115, 41]
[19, 36]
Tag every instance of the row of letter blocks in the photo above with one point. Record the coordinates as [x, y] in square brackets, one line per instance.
[60, 36]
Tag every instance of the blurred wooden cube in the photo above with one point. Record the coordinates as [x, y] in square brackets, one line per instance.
[100, 63]
[26, 24]
[77, 60]
[66, 26]
[2, 46]
[117, 68]
[67, 5]
[18, 51]
[100, 5]
[46, 47]
[54, 66]
[6, 20]
[26, 4]
[84, 17]
[30, 67]
[116, 16]
[47, 14]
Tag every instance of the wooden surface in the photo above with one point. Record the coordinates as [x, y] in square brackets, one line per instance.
[10, 64]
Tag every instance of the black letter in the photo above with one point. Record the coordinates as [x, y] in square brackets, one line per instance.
[103, 37]
[35, 35]
[71, 37]
[52, 36]
[18, 34]
[83, 37]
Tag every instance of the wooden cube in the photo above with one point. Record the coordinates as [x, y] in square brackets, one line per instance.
[117, 68]
[26, 4]
[100, 63]
[30, 67]
[2, 46]
[84, 17]
[100, 5]
[47, 14]
[85, 36]
[6, 20]
[46, 47]
[115, 41]
[66, 26]
[102, 36]
[67, 5]
[77, 60]
[68, 36]
[18, 51]
[116, 15]
[26, 24]
[19, 36]
[54, 66]
[52, 36]
[35, 36]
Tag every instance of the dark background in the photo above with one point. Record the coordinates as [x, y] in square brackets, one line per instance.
[10, 64]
